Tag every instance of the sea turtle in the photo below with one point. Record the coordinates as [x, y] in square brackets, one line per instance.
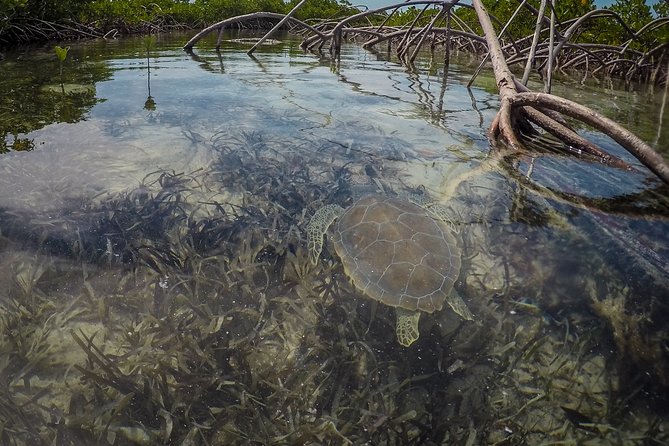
[399, 251]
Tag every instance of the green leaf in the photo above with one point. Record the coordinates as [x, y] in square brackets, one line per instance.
[61, 53]
[149, 42]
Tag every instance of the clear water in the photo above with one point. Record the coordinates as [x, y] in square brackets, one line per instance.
[155, 286]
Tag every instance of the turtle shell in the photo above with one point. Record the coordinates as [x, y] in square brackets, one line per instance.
[396, 253]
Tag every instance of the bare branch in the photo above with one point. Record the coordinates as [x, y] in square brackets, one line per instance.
[642, 151]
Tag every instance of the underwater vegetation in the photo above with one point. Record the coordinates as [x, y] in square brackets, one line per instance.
[185, 311]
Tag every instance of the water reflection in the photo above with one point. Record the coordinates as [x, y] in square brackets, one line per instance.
[150, 103]
[34, 94]
[156, 286]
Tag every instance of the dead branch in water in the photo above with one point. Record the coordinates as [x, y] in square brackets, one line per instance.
[551, 47]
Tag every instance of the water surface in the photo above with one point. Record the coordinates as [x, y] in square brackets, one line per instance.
[156, 286]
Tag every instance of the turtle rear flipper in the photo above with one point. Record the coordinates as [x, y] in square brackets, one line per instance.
[458, 305]
[407, 326]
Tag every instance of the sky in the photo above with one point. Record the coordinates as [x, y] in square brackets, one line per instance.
[378, 3]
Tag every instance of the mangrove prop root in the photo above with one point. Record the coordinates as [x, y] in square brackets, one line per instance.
[520, 109]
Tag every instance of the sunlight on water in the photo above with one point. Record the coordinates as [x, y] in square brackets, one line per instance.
[155, 282]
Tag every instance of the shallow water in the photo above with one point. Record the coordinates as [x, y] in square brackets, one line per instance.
[155, 285]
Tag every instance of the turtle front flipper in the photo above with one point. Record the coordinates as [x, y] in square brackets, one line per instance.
[317, 227]
[407, 326]
[435, 209]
